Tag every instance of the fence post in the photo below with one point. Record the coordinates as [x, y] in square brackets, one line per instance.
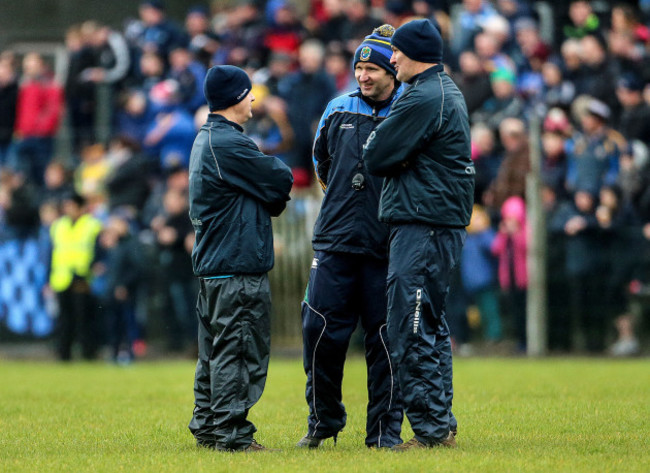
[536, 329]
[103, 112]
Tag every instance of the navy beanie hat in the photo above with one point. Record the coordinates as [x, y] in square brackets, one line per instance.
[225, 86]
[375, 48]
[419, 40]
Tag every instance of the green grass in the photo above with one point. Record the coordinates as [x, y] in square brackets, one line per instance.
[515, 415]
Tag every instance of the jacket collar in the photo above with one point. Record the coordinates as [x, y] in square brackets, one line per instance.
[216, 118]
[428, 73]
[375, 104]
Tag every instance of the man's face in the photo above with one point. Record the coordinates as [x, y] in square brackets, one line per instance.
[405, 66]
[375, 82]
[244, 109]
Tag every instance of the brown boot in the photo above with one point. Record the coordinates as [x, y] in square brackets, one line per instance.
[414, 444]
[252, 448]
[450, 441]
[256, 447]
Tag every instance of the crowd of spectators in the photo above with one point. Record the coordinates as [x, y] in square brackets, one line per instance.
[589, 84]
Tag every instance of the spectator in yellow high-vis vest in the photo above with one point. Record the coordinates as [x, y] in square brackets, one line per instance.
[74, 236]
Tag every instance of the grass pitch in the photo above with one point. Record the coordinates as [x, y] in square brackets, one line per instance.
[515, 415]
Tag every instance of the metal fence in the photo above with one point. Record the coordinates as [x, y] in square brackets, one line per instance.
[292, 233]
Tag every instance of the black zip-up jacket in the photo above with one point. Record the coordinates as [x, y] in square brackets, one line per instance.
[347, 222]
[423, 150]
[234, 191]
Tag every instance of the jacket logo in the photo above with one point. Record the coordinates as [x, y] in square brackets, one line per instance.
[418, 305]
[196, 222]
[314, 263]
[347, 126]
[365, 53]
[370, 138]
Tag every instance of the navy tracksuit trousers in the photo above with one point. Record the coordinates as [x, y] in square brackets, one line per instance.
[419, 272]
[343, 289]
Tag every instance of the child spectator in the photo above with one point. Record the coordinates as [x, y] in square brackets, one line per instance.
[90, 175]
[510, 247]
[120, 269]
[478, 273]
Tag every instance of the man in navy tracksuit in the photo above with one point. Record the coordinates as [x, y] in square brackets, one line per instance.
[348, 276]
[234, 191]
[423, 150]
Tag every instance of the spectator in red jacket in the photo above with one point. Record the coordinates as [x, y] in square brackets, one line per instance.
[38, 115]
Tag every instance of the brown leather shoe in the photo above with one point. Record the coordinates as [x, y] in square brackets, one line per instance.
[256, 447]
[252, 448]
[414, 444]
[450, 441]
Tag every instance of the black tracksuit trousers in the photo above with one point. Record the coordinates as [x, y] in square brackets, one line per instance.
[234, 344]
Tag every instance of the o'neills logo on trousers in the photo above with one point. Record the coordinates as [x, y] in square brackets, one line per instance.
[242, 95]
[418, 304]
